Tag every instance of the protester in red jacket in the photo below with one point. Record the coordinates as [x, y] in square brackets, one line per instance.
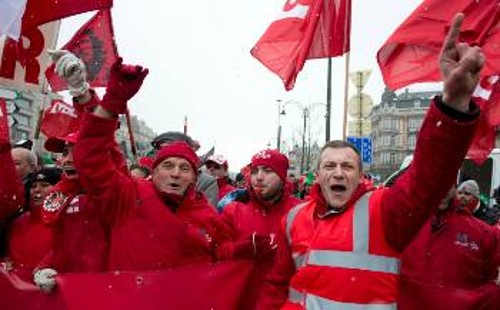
[452, 263]
[217, 166]
[344, 244]
[30, 240]
[257, 221]
[154, 224]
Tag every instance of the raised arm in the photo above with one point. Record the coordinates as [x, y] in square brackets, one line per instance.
[445, 137]
[95, 155]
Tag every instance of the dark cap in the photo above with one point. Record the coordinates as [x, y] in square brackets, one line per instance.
[49, 175]
[170, 137]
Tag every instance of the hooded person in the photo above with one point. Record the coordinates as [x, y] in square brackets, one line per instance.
[257, 221]
[30, 240]
[205, 183]
[153, 224]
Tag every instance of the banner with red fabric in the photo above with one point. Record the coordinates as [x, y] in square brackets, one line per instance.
[211, 286]
[94, 44]
[410, 55]
[487, 96]
[59, 120]
[39, 12]
[4, 121]
[305, 29]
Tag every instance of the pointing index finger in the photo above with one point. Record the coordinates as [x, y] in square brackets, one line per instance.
[452, 36]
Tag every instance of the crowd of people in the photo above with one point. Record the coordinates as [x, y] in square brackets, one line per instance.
[336, 242]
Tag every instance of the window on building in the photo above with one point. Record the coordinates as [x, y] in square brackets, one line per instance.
[414, 124]
[385, 158]
[22, 119]
[412, 139]
[23, 104]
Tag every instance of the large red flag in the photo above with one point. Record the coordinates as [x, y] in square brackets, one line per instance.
[305, 29]
[59, 120]
[410, 55]
[487, 95]
[94, 44]
[39, 12]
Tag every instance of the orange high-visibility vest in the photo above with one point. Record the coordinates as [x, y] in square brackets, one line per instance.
[342, 261]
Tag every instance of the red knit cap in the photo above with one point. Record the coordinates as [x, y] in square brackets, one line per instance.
[272, 159]
[177, 149]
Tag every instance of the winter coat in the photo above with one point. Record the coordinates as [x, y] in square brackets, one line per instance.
[443, 141]
[224, 188]
[148, 231]
[263, 219]
[207, 185]
[12, 194]
[452, 263]
[80, 237]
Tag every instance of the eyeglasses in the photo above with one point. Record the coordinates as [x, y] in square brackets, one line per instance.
[211, 165]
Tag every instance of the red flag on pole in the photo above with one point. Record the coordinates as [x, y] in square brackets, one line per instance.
[305, 29]
[94, 44]
[410, 55]
[59, 120]
[487, 96]
[39, 12]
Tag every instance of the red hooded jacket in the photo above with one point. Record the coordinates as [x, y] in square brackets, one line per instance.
[147, 230]
[452, 263]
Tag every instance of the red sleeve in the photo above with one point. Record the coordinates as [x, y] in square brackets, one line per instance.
[95, 161]
[11, 188]
[274, 291]
[441, 148]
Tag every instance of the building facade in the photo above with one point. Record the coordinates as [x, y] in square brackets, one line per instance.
[396, 122]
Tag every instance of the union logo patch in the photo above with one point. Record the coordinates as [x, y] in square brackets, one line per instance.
[54, 202]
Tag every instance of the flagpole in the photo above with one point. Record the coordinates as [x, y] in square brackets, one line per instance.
[131, 136]
[328, 100]
[346, 95]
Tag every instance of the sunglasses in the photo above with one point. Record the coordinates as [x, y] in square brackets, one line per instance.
[211, 165]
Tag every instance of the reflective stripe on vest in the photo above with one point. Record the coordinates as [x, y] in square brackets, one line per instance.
[313, 302]
[289, 220]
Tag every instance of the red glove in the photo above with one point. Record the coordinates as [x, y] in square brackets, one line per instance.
[255, 247]
[124, 82]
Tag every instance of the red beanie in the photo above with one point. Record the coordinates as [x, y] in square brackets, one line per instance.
[272, 159]
[177, 149]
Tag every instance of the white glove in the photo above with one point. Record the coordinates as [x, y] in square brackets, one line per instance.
[72, 70]
[45, 279]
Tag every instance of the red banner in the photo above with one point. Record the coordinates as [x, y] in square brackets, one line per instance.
[410, 55]
[94, 44]
[59, 120]
[39, 12]
[204, 287]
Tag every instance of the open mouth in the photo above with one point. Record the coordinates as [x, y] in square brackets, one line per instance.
[174, 186]
[338, 188]
[69, 171]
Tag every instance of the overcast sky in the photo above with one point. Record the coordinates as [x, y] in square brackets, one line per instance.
[198, 53]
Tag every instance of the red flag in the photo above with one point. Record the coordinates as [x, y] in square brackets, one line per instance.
[4, 123]
[410, 55]
[39, 12]
[59, 120]
[487, 96]
[305, 29]
[94, 44]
